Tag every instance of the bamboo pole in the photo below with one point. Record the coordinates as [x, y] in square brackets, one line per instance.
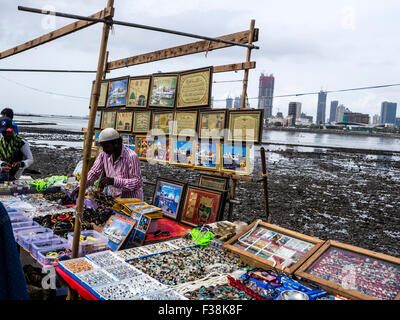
[89, 140]
[265, 183]
[246, 72]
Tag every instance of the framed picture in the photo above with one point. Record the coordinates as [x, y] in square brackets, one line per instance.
[138, 92]
[161, 150]
[235, 158]
[97, 120]
[137, 205]
[117, 91]
[168, 195]
[124, 121]
[268, 246]
[117, 229]
[142, 228]
[141, 121]
[185, 124]
[128, 140]
[213, 182]
[202, 206]
[96, 143]
[353, 272]
[245, 126]
[163, 91]
[108, 119]
[147, 209]
[143, 147]
[212, 124]
[194, 88]
[162, 123]
[182, 153]
[103, 94]
[207, 156]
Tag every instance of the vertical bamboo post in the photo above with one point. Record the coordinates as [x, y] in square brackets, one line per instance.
[89, 141]
[246, 72]
[232, 193]
[265, 183]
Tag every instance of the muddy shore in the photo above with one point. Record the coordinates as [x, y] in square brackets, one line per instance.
[349, 196]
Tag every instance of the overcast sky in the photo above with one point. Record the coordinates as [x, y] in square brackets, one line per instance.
[308, 45]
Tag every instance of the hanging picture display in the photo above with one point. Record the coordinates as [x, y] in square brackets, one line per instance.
[124, 121]
[128, 140]
[235, 158]
[212, 124]
[138, 92]
[182, 153]
[161, 150]
[97, 120]
[143, 147]
[271, 246]
[213, 182]
[185, 123]
[117, 91]
[162, 123]
[194, 88]
[163, 91]
[168, 195]
[96, 143]
[202, 206]
[353, 272]
[103, 94]
[245, 126]
[108, 119]
[141, 121]
[207, 155]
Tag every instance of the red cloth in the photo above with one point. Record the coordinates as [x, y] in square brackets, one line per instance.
[174, 228]
[84, 293]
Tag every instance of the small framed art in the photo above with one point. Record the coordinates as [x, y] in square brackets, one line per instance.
[185, 124]
[202, 206]
[194, 88]
[97, 120]
[128, 140]
[161, 150]
[103, 94]
[207, 156]
[212, 124]
[162, 123]
[163, 91]
[108, 119]
[147, 210]
[124, 121]
[245, 126]
[213, 182]
[141, 121]
[117, 91]
[235, 158]
[143, 148]
[182, 153]
[117, 230]
[268, 246]
[137, 205]
[353, 272]
[96, 143]
[169, 195]
[138, 92]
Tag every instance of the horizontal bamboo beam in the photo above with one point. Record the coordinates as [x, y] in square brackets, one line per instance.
[235, 67]
[187, 49]
[68, 29]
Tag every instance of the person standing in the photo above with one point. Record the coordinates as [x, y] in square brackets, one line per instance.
[9, 113]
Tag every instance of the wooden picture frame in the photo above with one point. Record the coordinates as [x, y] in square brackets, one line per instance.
[194, 88]
[108, 119]
[136, 205]
[163, 90]
[235, 158]
[128, 140]
[169, 195]
[124, 121]
[339, 268]
[141, 122]
[213, 182]
[162, 122]
[97, 120]
[117, 92]
[161, 150]
[149, 209]
[103, 94]
[202, 206]
[268, 246]
[138, 92]
[182, 153]
[144, 146]
[96, 143]
[245, 126]
[185, 124]
[212, 124]
[207, 155]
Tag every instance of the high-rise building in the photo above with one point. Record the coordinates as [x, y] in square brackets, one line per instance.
[309, 118]
[237, 102]
[294, 111]
[229, 102]
[332, 114]
[265, 94]
[321, 107]
[376, 119]
[279, 115]
[388, 112]
[397, 124]
[356, 117]
[340, 110]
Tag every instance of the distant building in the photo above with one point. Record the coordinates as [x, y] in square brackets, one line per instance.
[332, 114]
[294, 111]
[310, 119]
[229, 102]
[279, 115]
[265, 94]
[376, 119]
[355, 117]
[340, 110]
[397, 124]
[238, 101]
[321, 109]
[388, 112]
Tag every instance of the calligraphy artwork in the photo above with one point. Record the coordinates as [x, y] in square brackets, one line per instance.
[245, 126]
[185, 123]
[138, 92]
[141, 121]
[194, 89]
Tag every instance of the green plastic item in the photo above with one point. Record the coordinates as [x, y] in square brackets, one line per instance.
[200, 237]
[43, 184]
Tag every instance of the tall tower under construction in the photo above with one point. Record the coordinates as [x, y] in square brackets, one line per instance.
[265, 94]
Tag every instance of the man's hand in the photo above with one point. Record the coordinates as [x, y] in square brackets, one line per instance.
[106, 181]
[16, 165]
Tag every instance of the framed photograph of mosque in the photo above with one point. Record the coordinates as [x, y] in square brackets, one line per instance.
[141, 121]
[169, 195]
[212, 124]
[124, 121]
[103, 94]
[162, 122]
[194, 88]
[108, 119]
[185, 124]
[245, 126]
[117, 92]
[97, 120]
[138, 92]
[182, 153]
[163, 90]
[235, 158]
[143, 147]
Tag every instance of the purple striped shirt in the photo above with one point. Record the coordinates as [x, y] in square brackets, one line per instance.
[128, 182]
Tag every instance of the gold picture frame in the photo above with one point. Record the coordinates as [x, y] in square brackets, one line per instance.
[108, 119]
[185, 123]
[124, 121]
[207, 155]
[163, 91]
[212, 124]
[117, 92]
[162, 122]
[245, 126]
[141, 121]
[103, 94]
[182, 153]
[144, 146]
[235, 158]
[138, 92]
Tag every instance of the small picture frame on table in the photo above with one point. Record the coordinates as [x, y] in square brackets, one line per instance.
[169, 195]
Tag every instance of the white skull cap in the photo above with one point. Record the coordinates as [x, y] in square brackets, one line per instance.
[108, 134]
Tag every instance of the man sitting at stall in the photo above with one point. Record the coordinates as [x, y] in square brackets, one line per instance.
[121, 166]
[15, 152]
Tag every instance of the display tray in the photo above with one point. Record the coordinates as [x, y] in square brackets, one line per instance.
[268, 246]
[353, 272]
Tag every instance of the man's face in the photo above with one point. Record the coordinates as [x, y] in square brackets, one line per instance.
[109, 147]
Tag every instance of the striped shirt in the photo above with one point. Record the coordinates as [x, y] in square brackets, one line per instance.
[128, 182]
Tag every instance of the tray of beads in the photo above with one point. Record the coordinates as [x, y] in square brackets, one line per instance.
[90, 241]
[353, 272]
[132, 253]
[159, 247]
[51, 257]
[16, 217]
[218, 292]
[167, 294]
[77, 265]
[144, 284]
[104, 259]
[24, 224]
[182, 243]
[123, 271]
[48, 244]
[33, 227]
[95, 277]
[26, 238]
